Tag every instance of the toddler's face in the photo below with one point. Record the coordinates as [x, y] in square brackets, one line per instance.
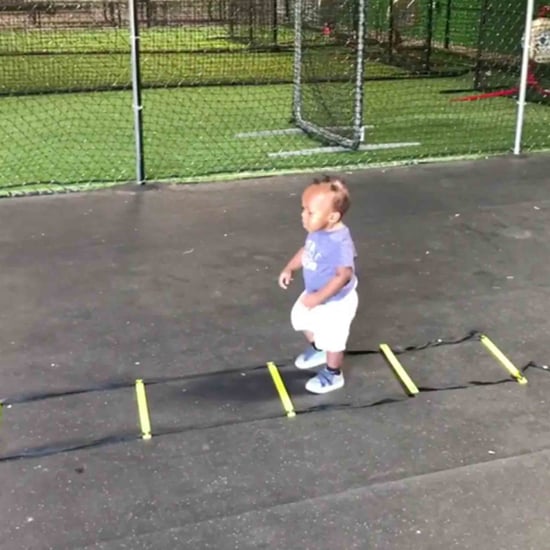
[317, 210]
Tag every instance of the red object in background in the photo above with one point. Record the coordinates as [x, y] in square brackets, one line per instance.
[327, 30]
[532, 83]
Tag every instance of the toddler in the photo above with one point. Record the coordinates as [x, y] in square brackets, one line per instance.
[326, 308]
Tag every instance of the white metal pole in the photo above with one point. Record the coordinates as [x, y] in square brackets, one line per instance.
[359, 80]
[136, 91]
[297, 93]
[524, 72]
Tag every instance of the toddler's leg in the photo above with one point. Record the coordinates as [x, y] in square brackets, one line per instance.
[332, 334]
[330, 377]
[335, 359]
[303, 320]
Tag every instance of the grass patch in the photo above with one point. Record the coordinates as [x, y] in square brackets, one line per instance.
[99, 59]
[113, 40]
[190, 128]
[85, 72]
[190, 132]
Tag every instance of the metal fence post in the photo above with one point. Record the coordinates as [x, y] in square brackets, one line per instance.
[136, 91]
[524, 71]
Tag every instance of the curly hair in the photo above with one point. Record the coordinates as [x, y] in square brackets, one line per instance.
[338, 189]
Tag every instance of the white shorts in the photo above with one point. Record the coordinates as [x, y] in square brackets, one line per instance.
[329, 322]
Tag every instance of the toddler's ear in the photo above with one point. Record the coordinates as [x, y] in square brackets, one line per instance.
[335, 217]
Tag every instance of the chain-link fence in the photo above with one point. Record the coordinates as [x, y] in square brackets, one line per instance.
[220, 81]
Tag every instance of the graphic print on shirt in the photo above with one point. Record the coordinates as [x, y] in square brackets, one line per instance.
[310, 257]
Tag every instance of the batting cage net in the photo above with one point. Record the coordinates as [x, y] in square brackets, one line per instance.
[69, 46]
[499, 51]
[411, 38]
[246, 86]
[261, 24]
[329, 66]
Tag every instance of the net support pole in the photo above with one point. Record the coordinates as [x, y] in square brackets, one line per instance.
[429, 37]
[529, 12]
[391, 28]
[251, 18]
[448, 15]
[136, 91]
[480, 41]
[360, 69]
[296, 99]
[275, 24]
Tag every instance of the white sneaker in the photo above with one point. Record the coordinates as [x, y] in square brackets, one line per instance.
[325, 382]
[311, 358]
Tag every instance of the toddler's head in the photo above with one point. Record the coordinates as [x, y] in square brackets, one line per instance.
[324, 203]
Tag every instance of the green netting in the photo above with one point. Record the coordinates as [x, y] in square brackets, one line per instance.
[499, 53]
[421, 37]
[328, 103]
[48, 51]
[217, 78]
[260, 23]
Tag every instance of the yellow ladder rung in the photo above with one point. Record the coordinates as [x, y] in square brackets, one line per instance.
[281, 390]
[503, 360]
[143, 410]
[399, 370]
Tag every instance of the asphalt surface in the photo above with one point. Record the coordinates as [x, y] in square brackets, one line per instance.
[176, 285]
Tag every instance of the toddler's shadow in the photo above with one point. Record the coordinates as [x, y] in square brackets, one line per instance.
[256, 386]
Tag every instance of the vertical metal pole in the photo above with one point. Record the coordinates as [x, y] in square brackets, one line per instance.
[275, 23]
[391, 11]
[480, 43]
[360, 72]
[231, 17]
[297, 95]
[136, 91]
[251, 18]
[524, 72]
[448, 15]
[429, 36]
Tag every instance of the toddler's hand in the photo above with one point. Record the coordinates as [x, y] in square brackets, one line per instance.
[310, 300]
[285, 278]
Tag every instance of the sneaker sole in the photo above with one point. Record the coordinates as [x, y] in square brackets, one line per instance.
[326, 389]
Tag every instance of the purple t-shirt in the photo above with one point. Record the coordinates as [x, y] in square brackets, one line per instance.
[324, 252]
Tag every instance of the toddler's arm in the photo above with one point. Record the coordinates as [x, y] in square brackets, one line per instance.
[336, 284]
[286, 274]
